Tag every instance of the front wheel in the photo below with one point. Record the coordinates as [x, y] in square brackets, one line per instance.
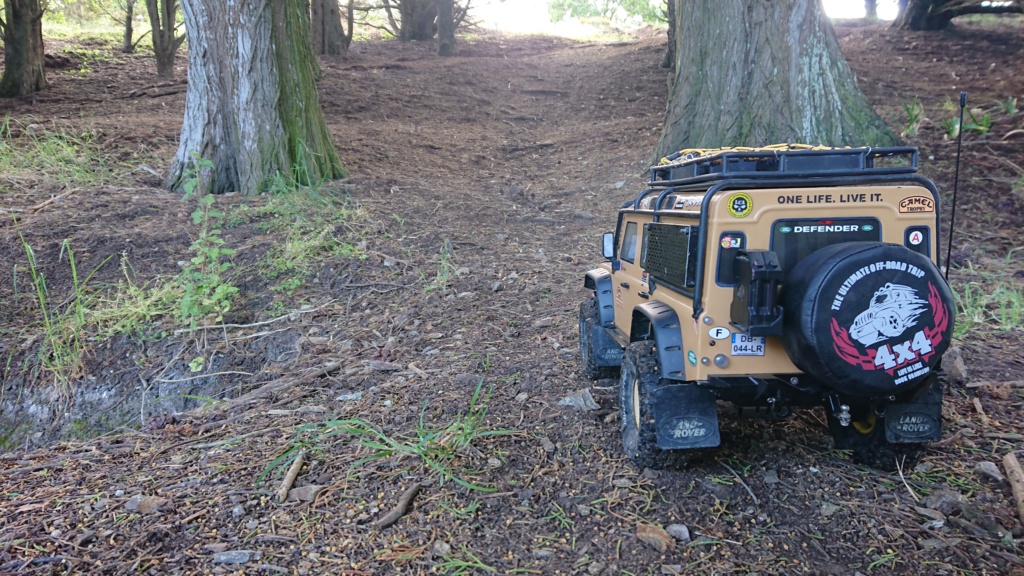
[638, 381]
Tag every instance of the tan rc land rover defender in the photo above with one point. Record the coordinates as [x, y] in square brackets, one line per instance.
[768, 279]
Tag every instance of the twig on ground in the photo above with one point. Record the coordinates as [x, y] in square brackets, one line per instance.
[1015, 475]
[46, 203]
[400, 509]
[744, 484]
[289, 478]
[899, 468]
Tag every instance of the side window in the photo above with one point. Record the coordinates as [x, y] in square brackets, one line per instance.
[628, 252]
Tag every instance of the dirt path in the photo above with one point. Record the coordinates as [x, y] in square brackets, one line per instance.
[485, 181]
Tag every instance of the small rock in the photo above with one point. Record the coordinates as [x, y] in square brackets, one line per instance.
[497, 286]
[216, 547]
[771, 477]
[655, 537]
[349, 396]
[56, 533]
[85, 538]
[620, 184]
[933, 524]
[932, 544]
[544, 323]
[828, 509]
[466, 295]
[494, 462]
[548, 446]
[672, 569]
[679, 531]
[238, 510]
[305, 493]
[945, 501]
[441, 549]
[581, 399]
[522, 397]
[468, 379]
[931, 514]
[543, 553]
[146, 504]
[379, 366]
[462, 271]
[622, 483]
[953, 364]
[596, 568]
[989, 470]
[118, 493]
[584, 216]
[236, 557]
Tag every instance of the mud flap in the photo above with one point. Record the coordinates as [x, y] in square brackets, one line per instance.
[685, 417]
[919, 420]
[607, 351]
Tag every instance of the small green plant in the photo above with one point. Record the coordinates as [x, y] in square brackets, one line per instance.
[1008, 106]
[978, 121]
[914, 111]
[64, 344]
[951, 126]
[206, 290]
[445, 269]
[469, 564]
[439, 449]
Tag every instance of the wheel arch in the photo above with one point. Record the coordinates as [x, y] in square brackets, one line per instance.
[600, 281]
[659, 322]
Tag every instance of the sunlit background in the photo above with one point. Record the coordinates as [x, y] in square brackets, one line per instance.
[533, 17]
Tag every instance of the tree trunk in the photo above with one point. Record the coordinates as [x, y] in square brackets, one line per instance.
[445, 27]
[871, 9]
[752, 73]
[129, 17]
[670, 54]
[937, 14]
[24, 65]
[251, 112]
[328, 34]
[165, 42]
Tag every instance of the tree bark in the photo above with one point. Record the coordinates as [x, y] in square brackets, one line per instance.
[937, 14]
[24, 64]
[670, 53]
[328, 33]
[871, 9]
[445, 27]
[752, 73]
[129, 17]
[252, 113]
[162, 15]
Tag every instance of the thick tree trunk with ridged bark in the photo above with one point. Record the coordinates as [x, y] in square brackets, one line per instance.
[445, 27]
[937, 14]
[24, 66]
[328, 34]
[751, 72]
[162, 19]
[252, 112]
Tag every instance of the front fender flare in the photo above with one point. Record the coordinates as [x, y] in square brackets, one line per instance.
[664, 327]
[600, 281]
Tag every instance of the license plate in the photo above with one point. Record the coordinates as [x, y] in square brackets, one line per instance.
[743, 345]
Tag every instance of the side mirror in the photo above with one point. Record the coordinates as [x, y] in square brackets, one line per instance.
[608, 245]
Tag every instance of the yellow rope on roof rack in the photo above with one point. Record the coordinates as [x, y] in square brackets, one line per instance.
[691, 153]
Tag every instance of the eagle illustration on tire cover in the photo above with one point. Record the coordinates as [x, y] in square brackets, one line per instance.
[867, 318]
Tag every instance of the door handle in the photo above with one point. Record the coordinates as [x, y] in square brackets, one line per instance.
[643, 295]
[624, 285]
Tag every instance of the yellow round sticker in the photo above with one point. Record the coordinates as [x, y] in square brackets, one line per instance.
[740, 205]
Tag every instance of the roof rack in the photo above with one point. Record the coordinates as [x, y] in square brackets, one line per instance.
[692, 167]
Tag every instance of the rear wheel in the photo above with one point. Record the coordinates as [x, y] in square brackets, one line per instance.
[638, 381]
[866, 441]
[590, 317]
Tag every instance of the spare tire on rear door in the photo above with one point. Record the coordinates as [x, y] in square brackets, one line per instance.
[867, 319]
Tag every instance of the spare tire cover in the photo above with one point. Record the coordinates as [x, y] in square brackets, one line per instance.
[866, 318]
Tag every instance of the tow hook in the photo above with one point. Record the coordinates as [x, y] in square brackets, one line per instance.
[840, 411]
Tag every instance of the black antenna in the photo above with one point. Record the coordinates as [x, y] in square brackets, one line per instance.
[956, 179]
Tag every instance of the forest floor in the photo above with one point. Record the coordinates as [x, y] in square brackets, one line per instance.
[413, 331]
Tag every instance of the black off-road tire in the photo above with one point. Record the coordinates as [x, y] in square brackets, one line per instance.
[637, 383]
[866, 441]
[590, 316]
